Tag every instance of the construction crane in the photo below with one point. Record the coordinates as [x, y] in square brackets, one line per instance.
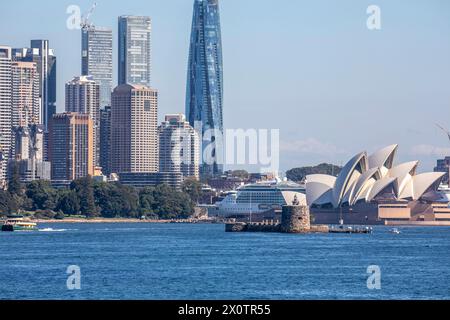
[445, 130]
[85, 18]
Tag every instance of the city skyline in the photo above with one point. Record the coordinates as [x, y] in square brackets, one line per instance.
[329, 75]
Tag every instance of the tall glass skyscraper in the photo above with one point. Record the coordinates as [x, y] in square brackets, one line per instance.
[204, 97]
[97, 60]
[135, 50]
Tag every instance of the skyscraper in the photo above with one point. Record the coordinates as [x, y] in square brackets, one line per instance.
[204, 97]
[134, 123]
[28, 160]
[135, 50]
[5, 111]
[96, 59]
[179, 147]
[83, 96]
[71, 146]
[105, 140]
[25, 97]
[45, 59]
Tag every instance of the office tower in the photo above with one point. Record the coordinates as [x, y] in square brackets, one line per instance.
[134, 117]
[204, 94]
[25, 94]
[96, 59]
[45, 59]
[71, 146]
[5, 111]
[29, 154]
[179, 147]
[83, 96]
[105, 140]
[135, 50]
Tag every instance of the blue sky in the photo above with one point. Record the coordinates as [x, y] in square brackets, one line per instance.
[309, 68]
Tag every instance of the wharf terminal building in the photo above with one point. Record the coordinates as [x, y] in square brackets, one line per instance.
[374, 190]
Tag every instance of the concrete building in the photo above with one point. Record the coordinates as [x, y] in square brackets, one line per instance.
[105, 140]
[5, 112]
[83, 96]
[179, 147]
[25, 94]
[134, 138]
[142, 180]
[443, 165]
[29, 160]
[45, 59]
[71, 146]
[135, 50]
[97, 59]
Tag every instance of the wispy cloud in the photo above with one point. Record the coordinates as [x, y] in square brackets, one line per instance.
[429, 150]
[310, 146]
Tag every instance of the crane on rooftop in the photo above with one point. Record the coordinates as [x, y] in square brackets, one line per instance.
[85, 18]
[445, 130]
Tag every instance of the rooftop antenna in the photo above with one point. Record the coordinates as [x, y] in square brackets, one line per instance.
[85, 18]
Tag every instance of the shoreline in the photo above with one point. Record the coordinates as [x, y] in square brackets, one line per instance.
[117, 220]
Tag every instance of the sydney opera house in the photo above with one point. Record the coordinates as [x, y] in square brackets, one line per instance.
[374, 190]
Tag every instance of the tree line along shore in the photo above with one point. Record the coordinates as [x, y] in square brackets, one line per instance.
[88, 199]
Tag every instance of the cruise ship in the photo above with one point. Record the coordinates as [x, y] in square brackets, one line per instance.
[257, 200]
[445, 191]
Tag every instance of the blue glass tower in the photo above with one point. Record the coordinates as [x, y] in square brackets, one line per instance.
[204, 97]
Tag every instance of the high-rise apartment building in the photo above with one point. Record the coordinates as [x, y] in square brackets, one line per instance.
[204, 97]
[25, 94]
[71, 146]
[45, 59]
[83, 96]
[97, 60]
[135, 50]
[28, 160]
[134, 118]
[179, 147]
[105, 140]
[5, 111]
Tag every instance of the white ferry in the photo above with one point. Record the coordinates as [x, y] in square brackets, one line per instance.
[258, 198]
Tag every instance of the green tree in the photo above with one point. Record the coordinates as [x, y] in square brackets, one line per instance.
[15, 187]
[300, 174]
[85, 192]
[116, 200]
[193, 188]
[146, 201]
[7, 204]
[42, 195]
[69, 203]
[170, 203]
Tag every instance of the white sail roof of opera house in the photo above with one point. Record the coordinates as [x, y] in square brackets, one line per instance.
[373, 178]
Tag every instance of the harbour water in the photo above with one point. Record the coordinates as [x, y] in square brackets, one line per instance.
[151, 261]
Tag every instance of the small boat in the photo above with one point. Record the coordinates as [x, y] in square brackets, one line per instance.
[395, 231]
[18, 223]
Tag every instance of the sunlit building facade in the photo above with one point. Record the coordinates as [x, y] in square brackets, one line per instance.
[135, 50]
[97, 59]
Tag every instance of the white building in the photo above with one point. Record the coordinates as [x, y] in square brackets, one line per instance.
[5, 111]
[374, 189]
[179, 147]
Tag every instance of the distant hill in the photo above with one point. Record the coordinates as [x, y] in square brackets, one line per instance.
[299, 174]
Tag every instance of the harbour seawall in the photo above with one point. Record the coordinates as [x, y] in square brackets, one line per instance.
[294, 219]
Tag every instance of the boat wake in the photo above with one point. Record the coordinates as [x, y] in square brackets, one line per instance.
[52, 230]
